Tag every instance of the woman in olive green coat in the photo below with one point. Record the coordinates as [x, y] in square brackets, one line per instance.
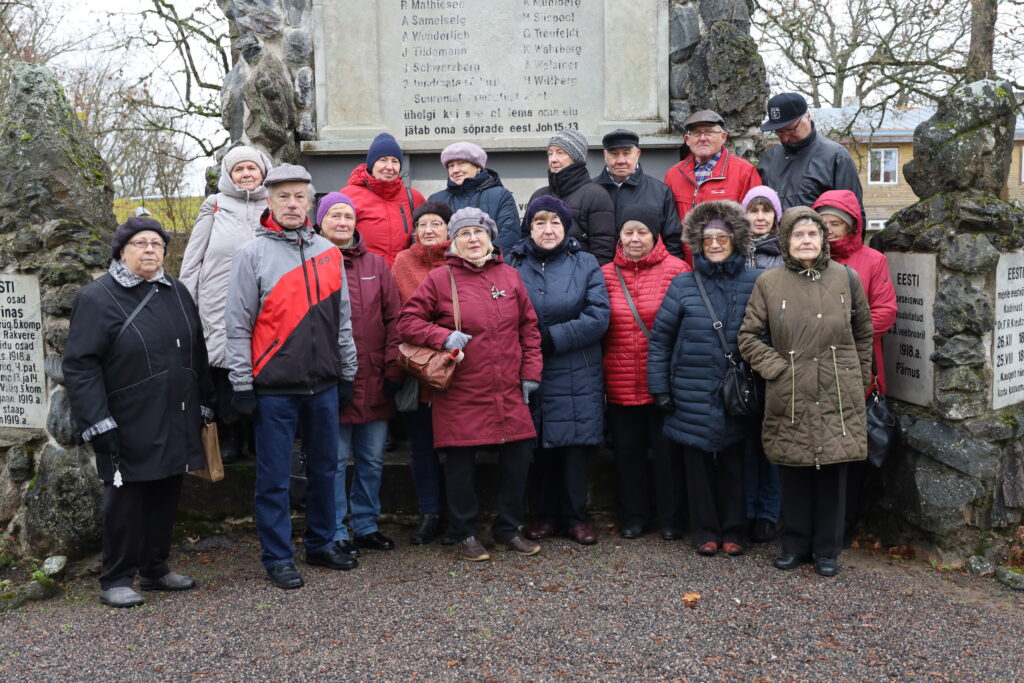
[800, 334]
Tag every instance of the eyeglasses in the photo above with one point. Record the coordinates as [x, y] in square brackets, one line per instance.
[716, 239]
[467, 233]
[705, 134]
[156, 245]
[436, 225]
[790, 129]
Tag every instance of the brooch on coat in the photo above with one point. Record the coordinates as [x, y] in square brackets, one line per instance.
[495, 292]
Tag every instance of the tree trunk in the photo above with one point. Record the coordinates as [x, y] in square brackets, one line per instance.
[983, 31]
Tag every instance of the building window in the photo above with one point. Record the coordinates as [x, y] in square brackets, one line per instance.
[875, 226]
[883, 165]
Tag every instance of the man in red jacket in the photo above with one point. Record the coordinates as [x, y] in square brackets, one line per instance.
[710, 171]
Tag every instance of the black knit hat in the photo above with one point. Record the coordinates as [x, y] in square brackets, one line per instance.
[434, 206]
[643, 214]
[552, 204]
[133, 225]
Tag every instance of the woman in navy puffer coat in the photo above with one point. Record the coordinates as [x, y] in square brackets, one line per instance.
[568, 292]
[686, 366]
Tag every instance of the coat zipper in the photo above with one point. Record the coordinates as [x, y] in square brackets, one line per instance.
[839, 390]
[309, 296]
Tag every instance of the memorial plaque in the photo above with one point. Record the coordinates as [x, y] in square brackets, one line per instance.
[23, 401]
[1008, 342]
[909, 344]
[506, 73]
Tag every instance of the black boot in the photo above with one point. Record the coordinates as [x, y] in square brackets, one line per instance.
[227, 434]
[428, 529]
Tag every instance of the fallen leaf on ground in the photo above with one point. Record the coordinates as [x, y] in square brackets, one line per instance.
[690, 599]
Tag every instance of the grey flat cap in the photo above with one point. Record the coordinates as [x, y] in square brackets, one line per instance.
[287, 173]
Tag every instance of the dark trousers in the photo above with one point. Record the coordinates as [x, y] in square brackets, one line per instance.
[714, 488]
[637, 430]
[424, 465]
[813, 508]
[463, 507]
[564, 478]
[856, 472]
[137, 522]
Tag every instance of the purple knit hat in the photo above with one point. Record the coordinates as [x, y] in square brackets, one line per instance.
[552, 204]
[769, 194]
[329, 200]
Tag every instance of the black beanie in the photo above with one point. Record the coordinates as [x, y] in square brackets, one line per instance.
[435, 206]
[135, 224]
[644, 214]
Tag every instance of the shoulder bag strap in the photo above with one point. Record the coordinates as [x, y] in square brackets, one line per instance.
[135, 312]
[632, 306]
[716, 323]
[455, 300]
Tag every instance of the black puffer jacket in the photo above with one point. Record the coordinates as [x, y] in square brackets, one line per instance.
[593, 214]
[639, 188]
[800, 173]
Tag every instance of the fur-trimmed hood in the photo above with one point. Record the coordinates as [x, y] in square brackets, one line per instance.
[789, 219]
[730, 212]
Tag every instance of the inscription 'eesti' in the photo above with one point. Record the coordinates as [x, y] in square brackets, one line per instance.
[498, 69]
[22, 382]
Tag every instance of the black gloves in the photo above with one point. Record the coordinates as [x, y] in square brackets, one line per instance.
[244, 401]
[109, 442]
[344, 393]
[547, 345]
[391, 387]
[664, 403]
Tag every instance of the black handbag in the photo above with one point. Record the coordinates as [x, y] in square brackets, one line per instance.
[882, 426]
[741, 396]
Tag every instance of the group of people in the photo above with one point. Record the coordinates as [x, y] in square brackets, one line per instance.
[611, 311]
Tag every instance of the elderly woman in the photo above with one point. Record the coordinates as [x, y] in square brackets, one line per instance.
[364, 420]
[798, 335]
[487, 402]
[411, 267]
[384, 203]
[637, 281]
[139, 385]
[686, 366]
[471, 183]
[227, 220]
[568, 293]
[764, 211]
[593, 214]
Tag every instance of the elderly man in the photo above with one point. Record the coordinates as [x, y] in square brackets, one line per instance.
[292, 362]
[806, 164]
[710, 171]
[628, 186]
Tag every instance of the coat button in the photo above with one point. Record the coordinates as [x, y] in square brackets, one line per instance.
[819, 315]
[815, 360]
[817, 403]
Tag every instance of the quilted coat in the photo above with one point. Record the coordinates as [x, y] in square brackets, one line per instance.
[375, 307]
[485, 192]
[568, 293]
[625, 345]
[384, 210]
[484, 404]
[817, 364]
[685, 358]
[593, 214]
[413, 264]
[871, 265]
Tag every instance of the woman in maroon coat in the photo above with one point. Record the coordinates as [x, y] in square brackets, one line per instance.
[487, 402]
[364, 421]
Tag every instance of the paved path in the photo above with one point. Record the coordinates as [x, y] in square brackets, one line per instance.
[612, 611]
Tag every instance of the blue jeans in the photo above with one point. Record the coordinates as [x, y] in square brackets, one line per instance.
[761, 485]
[366, 443]
[277, 417]
[424, 465]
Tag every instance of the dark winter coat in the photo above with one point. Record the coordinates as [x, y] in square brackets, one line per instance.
[569, 296]
[625, 345]
[685, 358]
[817, 364]
[593, 214]
[484, 191]
[639, 188]
[375, 307]
[383, 212]
[765, 252]
[152, 383]
[484, 404]
[800, 173]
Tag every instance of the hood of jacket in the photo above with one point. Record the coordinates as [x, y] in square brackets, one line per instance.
[391, 190]
[228, 187]
[729, 212]
[844, 200]
[356, 249]
[653, 257]
[789, 219]
[483, 180]
[569, 179]
[270, 228]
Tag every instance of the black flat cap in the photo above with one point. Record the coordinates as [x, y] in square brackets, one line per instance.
[620, 137]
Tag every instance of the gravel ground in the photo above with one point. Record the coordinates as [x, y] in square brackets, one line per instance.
[612, 611]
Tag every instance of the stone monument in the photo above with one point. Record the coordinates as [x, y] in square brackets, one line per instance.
[55, 226]
[955, 356]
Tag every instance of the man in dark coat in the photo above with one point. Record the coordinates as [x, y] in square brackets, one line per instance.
[805, 165]
[627, 185]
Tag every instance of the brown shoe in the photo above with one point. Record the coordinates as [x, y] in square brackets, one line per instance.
[539, 531]
[583, 534]
[707, 549]
[519, 545]
[733, 549]
[472, 550]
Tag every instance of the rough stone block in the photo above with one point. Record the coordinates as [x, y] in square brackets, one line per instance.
[970, 254]
[979, 566]
[968, 214]
[956, 405]
[298, 47]
[728, 76]
[259, 16]
[954, 448]
[232, 106]
[961, 307]
[1013, 577]
[734, 11]
[1013, 477]
[684, 33]
[19, 464]
[59, 301]
[63, 508]
[931, 239]
[296, 9]
[305, 92]
[960, 378]
[58, 421]
[960, 349]
[991, 428]
[943, 495]
[269, 97]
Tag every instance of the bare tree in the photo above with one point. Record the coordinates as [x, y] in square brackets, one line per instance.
[30, 31]
[983, 38]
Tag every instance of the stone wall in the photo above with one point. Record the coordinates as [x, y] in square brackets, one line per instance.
[56, 218]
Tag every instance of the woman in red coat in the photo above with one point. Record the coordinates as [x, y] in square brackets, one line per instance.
[487, 402]
[647, 269]
[411, 267]
[383, 202]
[842, 215]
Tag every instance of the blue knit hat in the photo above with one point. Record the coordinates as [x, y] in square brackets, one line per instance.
[384, 145]
[552, 204]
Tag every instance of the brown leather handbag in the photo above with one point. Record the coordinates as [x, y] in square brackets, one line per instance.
[433, 367]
